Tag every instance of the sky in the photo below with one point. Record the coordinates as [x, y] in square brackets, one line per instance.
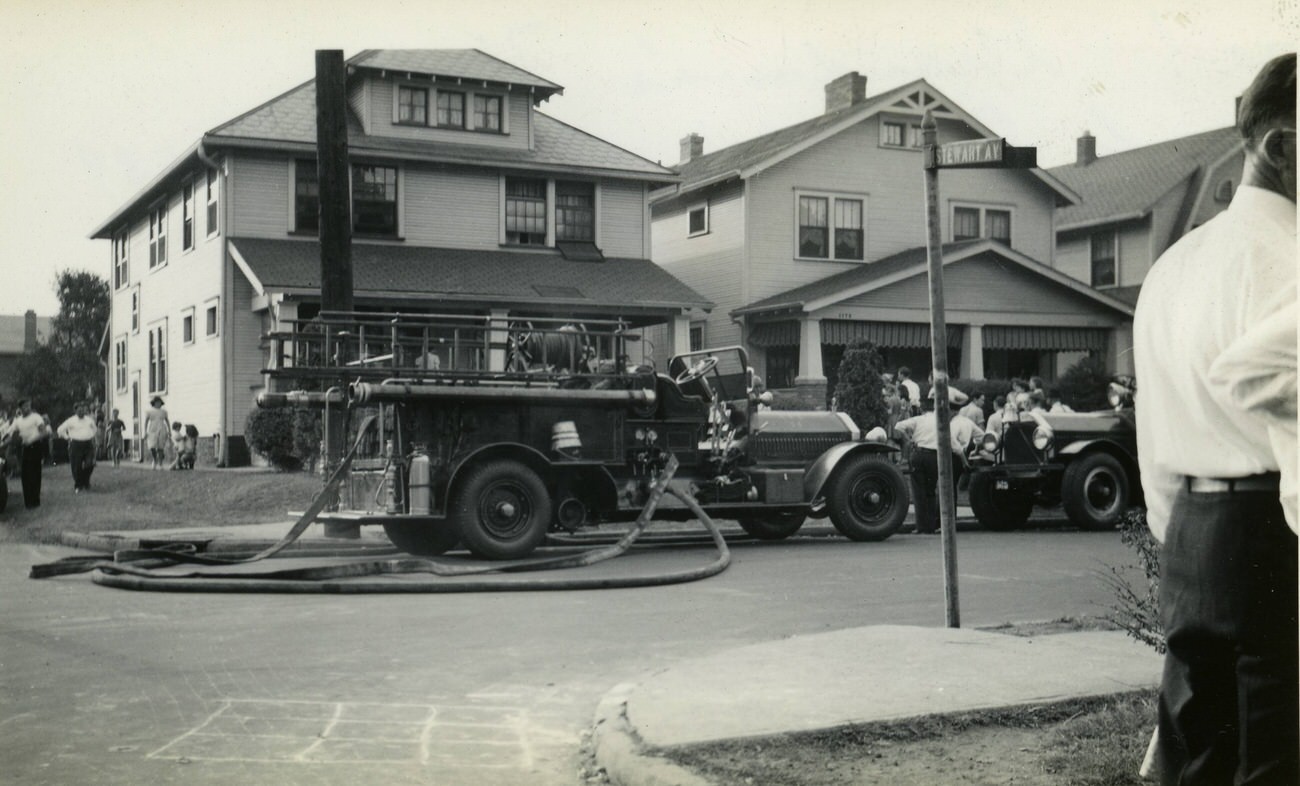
[99, 97]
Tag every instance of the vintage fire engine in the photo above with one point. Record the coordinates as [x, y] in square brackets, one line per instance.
[571, 432]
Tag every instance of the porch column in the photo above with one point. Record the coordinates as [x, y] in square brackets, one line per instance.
[810, 353]
[498, 338]
[972, 353]
[679, 334]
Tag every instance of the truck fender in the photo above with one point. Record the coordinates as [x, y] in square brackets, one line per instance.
[820, 471]
[1079, 445]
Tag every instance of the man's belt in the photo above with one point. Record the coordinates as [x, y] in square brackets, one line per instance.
[1267, 481]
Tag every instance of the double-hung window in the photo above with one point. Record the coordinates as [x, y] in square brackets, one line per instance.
[119, 363]
[187, 326]
[374, 199]
[451, 109]
[121, 267]
[965, 223]
[487, 112]
[891, 134]
[412, 106]
[210, 323]
[187, 215]
[830, 227]
[1105, 268]
[971, 223]
[212, 202]
[306, 201]
[575, 211]
[158, 236]
[135, 309]
[525, 211]
[158, 357]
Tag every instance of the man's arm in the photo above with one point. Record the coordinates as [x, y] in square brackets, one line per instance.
[1257, 372]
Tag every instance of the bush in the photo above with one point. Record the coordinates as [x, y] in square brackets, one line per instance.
[1137, 610]
[1083, 385]
[287, 438]
[859, 391]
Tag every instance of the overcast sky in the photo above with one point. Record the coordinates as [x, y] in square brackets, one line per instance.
[98, 97]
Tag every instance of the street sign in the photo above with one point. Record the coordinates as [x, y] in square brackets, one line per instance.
[981, 153]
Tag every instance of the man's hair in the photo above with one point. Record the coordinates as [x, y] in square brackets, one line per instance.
[904, 371]
[24, 401]
[999, 401]
[1269, 98]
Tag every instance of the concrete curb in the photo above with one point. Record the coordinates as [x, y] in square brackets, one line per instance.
[620, 753]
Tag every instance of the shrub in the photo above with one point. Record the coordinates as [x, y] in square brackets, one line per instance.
[1083, 385]
[859, 391]
[287, 438]
[1137, 610]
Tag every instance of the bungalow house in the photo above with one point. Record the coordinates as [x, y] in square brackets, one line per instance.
[1135, 204]
[466, 200]
[810, 236]
[18, 335]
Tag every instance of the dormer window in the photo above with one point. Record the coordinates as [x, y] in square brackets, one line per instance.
[412, 106]
[891, 134]
[487, 113]
[451, 109]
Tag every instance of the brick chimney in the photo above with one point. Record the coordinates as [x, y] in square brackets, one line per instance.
[692, 147]
[1086, 149]
[29, 331]
[845, 91]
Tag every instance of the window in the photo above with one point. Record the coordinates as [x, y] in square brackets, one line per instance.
[525, 211]
[820, 216]
[997, 225]
[697, 220]
[891, 134]
[965, 223]
[158, 236]
[575, 211]
[451, 109]
[187, 216]
[1104, 267]
[487, 113]
[121, 270]
[697, 336]
[212, 202]
[412, 106]
[915, 136]
[119, 363]
[972, 223]
[158, 357]
[306, 203]
[135, 309]
[374, 199]
[187, 325]
[210, 318]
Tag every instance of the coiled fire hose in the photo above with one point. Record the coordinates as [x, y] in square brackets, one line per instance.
[138, 569]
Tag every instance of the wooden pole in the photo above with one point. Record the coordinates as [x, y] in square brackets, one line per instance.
[332, 177]
[939, 361]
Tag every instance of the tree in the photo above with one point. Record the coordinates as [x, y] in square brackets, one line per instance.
[66, 368]
[1083, 385]
[859, 389]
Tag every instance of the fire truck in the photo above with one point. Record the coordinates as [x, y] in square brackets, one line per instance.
[491, 433]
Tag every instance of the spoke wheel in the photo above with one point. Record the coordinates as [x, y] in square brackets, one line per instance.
[502, 510]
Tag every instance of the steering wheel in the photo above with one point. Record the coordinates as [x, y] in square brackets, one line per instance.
[702, 366]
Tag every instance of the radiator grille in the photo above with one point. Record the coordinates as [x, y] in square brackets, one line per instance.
[792, 447]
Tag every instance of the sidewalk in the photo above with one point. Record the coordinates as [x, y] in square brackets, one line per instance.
[853, 676]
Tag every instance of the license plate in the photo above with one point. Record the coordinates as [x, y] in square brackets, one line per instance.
[1002, 485]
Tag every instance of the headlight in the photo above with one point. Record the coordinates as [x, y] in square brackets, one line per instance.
[640, 435]
[1042, 438]
[990, 442]
[651, 435]
[1113, 395]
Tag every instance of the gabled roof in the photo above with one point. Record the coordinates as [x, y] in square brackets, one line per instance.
[13, 332]
[473, 64]
[1125, 186]
[747, 158]
[442, 274]
[905, 264]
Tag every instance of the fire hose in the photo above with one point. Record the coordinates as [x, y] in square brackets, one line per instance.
[139, 569]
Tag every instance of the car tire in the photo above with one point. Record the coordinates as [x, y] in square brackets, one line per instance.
[1095, 491]
[502, 510]
[772, 526]
[998, 510]
[423, 539]
[867, 497]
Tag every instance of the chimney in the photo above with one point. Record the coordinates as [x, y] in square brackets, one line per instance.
[845, 91]
[1086, 149]
[692, 147]
[29, 331]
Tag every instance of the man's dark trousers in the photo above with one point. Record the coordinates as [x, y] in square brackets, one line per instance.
[33, 455]
[1229, 699]
[81, 455]
[925, 484]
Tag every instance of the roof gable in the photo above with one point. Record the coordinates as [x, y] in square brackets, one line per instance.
[472, 64]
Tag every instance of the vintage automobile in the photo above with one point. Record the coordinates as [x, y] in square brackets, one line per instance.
[569, 434]
[1086, 462]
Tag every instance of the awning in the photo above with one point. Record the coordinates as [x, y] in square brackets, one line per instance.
[1043, 339]
[895, 335]
[775, 334]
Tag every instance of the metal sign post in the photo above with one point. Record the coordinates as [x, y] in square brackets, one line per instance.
[969, 154]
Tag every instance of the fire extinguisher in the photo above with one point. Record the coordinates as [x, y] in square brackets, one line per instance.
[420, 482]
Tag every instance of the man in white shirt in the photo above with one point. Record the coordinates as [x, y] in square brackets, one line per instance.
[923, 432]
[32, 432]
[974, 411]
[1230, 694]
[79, 430]
[913, 389]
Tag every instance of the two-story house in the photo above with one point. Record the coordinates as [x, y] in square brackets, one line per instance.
[813, 235]
[1135, 204]
[465, 200]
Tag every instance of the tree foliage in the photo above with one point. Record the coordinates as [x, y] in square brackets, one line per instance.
[66, 369]
[288, 438]
[859, 389]
[1083, 385]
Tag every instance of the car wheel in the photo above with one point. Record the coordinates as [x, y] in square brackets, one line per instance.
[998, 510]
[502, 510]
[423, 539]
[867, 498]
[772, 526]
[1095, 491]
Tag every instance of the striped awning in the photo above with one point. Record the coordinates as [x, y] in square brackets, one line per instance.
[897, 335]
[775, 334]
[1057, 339]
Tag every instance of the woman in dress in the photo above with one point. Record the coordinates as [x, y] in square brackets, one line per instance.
[157, 431]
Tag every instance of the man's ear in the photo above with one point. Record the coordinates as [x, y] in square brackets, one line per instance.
[1273, 147]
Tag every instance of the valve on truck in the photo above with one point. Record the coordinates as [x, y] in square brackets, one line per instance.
[392, 499]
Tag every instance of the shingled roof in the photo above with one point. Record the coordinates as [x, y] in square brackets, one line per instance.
[456, 63]
[1127, 185]
[478, 276]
